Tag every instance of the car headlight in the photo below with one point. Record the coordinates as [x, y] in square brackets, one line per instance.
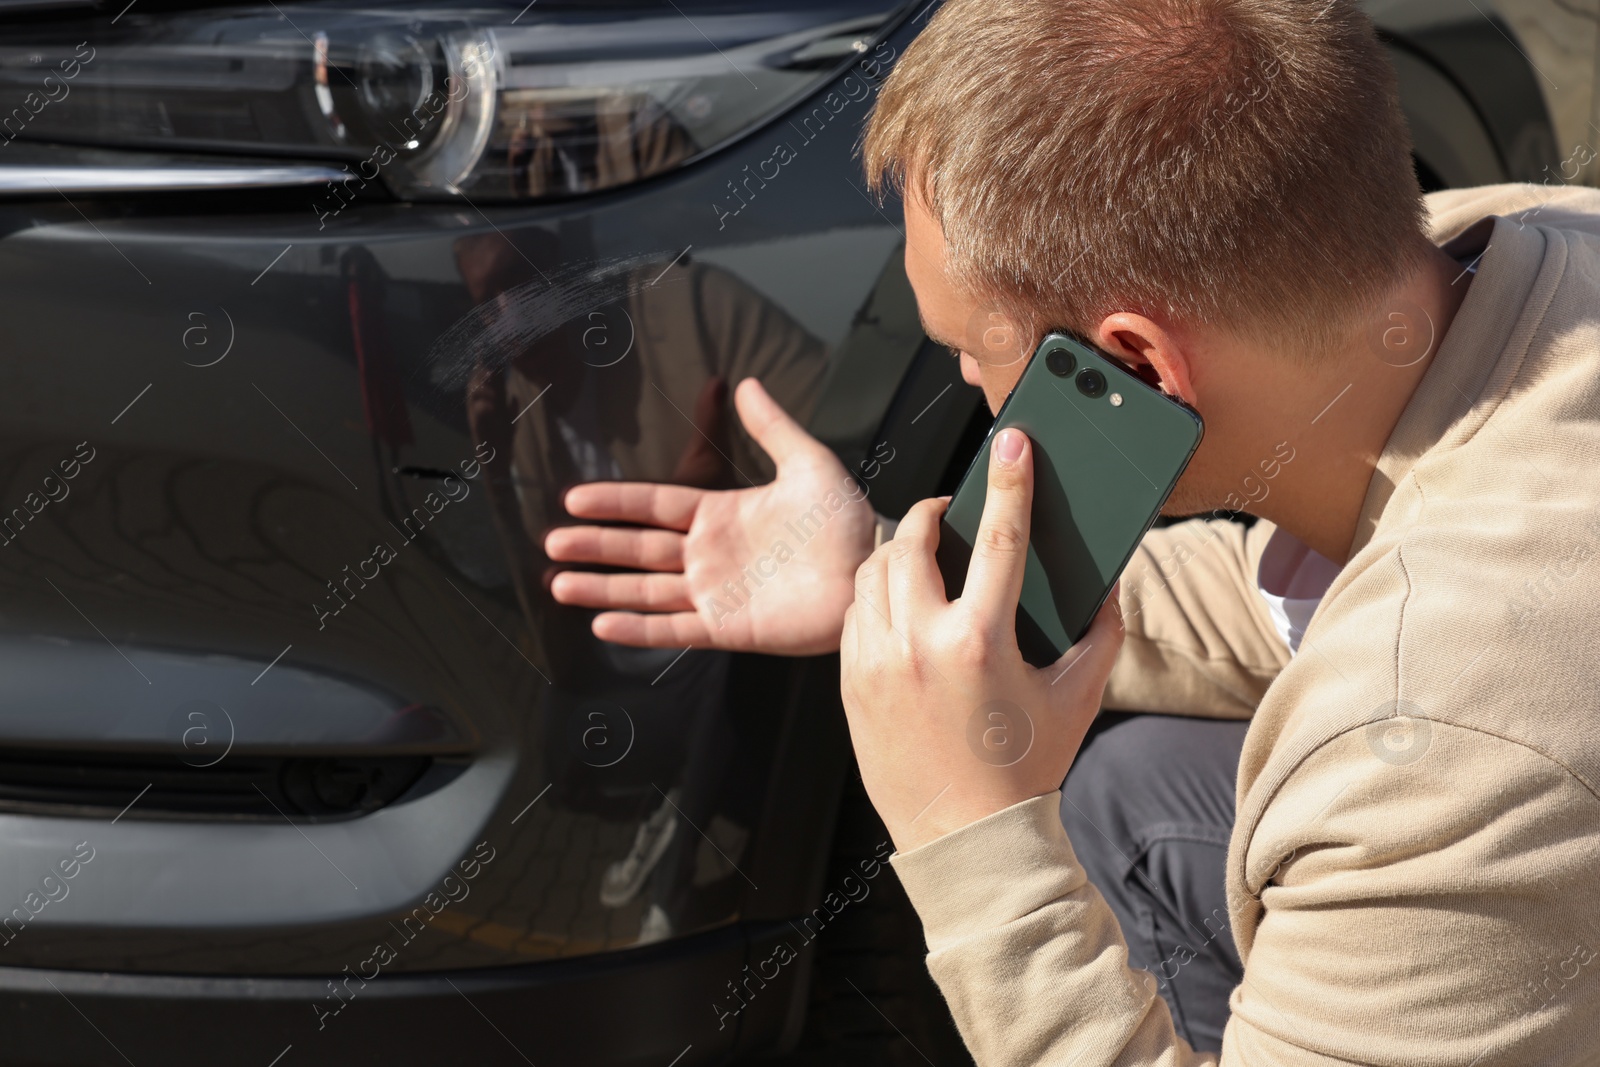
[519, 102]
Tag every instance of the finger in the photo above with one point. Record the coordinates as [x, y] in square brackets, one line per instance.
[994, 578]
[683, 630]
[916, 586]
[872, 592]
[616, 546]
[671, 506]
[778, 435]
[1088, 663]
[622, 592]
[849, 660]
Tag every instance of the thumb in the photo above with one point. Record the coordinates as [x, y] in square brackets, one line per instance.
[778, 435]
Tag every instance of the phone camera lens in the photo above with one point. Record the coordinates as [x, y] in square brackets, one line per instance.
[1061, 363]
[1091, 383]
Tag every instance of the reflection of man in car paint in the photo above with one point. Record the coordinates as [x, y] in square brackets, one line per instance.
[604, 394]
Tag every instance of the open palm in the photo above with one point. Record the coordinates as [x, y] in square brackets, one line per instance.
[767, 569]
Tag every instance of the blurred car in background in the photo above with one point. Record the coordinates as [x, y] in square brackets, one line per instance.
[311, 312]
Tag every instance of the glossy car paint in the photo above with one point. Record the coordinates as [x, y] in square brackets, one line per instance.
[324, 453]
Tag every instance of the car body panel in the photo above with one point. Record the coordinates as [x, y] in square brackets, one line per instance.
[280, 406]
[270, 395]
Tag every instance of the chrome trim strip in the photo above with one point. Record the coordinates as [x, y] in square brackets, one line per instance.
[37, 179]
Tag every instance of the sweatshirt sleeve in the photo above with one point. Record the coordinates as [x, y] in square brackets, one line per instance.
[1419, 899]
[1027, 952]
[1199, 638]
[1387, 911]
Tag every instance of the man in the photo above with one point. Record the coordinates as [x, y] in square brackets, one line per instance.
[1219, 194]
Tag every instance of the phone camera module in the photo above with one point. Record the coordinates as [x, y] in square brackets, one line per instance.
[1061, 363]
[1091, 383]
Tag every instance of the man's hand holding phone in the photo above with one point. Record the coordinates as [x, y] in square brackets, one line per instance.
[948, 721]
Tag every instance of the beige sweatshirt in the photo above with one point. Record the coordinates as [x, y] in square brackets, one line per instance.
[1421, 889]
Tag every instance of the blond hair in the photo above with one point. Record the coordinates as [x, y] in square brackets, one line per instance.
[1235, 163]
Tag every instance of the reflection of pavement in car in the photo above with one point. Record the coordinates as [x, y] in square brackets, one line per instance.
[552, 908]
[624, 878]
[717, 855]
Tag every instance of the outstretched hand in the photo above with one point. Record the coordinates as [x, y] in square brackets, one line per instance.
[948, 721]
[765, 569]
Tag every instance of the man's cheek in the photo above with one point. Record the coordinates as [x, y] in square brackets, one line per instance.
[970, 372]
[997, 382]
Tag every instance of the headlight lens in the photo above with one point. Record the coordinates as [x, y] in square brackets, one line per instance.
[485, 102]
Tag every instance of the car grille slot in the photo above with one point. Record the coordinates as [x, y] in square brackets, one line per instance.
[238, 787]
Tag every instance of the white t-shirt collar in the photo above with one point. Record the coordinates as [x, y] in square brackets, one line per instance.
[1292, 580]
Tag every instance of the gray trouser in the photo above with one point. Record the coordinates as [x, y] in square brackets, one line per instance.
[1149, 806]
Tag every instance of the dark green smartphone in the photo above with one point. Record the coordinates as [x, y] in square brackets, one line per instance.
[1107, 450]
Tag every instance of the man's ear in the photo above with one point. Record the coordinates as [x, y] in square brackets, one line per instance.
[1142, 343]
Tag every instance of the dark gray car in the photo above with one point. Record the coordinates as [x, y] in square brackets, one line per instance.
[311, 312]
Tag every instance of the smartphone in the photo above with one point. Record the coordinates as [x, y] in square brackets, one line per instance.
[1107, 450]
